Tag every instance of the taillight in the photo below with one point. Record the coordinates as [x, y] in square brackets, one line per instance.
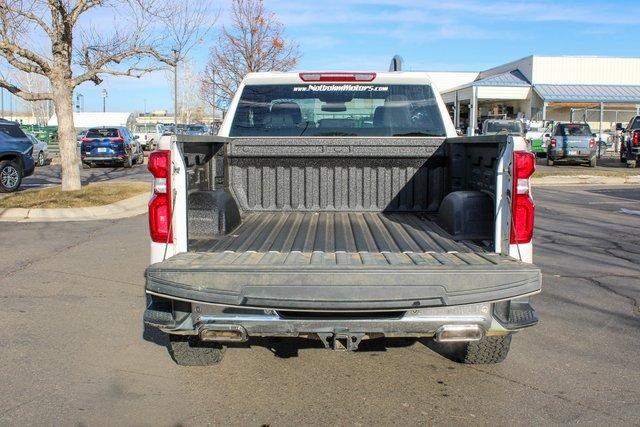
[522, 207]
[553, 143]
[337, 77]
[117, 140]
[636, 138]
[160, 203]
[592, 143]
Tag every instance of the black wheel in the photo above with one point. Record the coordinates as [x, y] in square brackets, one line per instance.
[592, 162]
[188, 350]
[41, 159]
[631, 163]
[10, 176]
[484, 351]
[86, 165]
[128, 162]
[140, 158]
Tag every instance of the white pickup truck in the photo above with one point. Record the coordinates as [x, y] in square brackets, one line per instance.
[340, 207]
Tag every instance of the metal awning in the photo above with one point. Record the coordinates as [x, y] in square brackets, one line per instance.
[510, 78]
[588, 93]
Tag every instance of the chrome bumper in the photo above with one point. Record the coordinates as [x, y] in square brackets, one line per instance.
[225, 323]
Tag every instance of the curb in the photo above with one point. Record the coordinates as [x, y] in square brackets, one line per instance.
[132, 206]
[562, 180]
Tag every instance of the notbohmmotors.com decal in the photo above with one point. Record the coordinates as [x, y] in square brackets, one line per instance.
[341, 88]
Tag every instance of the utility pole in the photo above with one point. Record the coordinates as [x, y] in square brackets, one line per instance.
[213, 97]
[175, 90]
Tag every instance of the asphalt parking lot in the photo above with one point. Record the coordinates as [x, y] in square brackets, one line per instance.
[49, 175]
[74, 351]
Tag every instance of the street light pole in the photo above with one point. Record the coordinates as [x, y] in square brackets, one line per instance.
[175, 90]
[104, 100]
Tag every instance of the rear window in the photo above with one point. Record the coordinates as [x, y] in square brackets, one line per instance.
[636, 123]
[337, 110]
[573, 129]
[504, 127]
[102, 133]
[12, 130]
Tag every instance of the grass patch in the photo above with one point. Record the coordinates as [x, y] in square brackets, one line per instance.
[97, 194]
[586, 171]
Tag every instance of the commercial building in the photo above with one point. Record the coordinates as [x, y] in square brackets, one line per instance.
[602, 91]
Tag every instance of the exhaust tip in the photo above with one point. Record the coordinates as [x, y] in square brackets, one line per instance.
[223, 333]
[459, 333]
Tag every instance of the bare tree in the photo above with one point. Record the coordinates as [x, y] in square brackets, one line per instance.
[254, 41]
[55, 39]
[32, 82]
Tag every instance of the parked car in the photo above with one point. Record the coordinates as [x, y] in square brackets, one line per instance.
[146, 135]
[40, 150]
[110, 145]
[79, 135]
[630, 143]
[536, 136]
[507, 127]
[572, 142]
[16, 160]
[340, 207]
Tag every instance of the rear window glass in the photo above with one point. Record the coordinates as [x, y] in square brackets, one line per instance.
[332, 109]
[636, 123]
[574, 129]
[12, 130]
[504, 127]
[102, 133]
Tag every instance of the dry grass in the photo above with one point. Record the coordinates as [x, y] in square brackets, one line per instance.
[90, 195]
[586, 171]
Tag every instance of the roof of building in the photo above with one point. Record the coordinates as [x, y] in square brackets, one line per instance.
[509, 78]
[588, 93]
[87, 120]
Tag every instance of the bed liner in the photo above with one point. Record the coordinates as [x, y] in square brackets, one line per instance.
[340, 261]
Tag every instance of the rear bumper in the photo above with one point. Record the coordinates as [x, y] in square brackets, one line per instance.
[105, 159]
[563, 155]
[497, 318]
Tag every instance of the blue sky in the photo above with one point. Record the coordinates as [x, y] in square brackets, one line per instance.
[465, 35]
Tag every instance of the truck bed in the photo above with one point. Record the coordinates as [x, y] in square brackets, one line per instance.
[340, 261]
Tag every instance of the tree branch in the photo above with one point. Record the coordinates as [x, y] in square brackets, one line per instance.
[11, 49]
[27, 14]
[27, 96]
[81, 7]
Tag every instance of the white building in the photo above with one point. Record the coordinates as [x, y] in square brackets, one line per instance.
[599, 90]
[89, 120]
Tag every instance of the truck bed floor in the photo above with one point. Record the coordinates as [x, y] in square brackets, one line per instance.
[335, 232]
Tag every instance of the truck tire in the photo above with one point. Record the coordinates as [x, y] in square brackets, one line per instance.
[188, 350]
[486, 350]
[549, 161]
[128, 162]
[631, 163]
[592, 162]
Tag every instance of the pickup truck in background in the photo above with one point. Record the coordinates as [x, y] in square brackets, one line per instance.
[630, 143]
[340, 207]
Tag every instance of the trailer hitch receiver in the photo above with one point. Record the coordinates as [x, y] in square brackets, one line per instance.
[341, 341]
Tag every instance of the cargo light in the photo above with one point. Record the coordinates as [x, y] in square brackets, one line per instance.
[522, 206]
[160, 203]
[337, 77]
